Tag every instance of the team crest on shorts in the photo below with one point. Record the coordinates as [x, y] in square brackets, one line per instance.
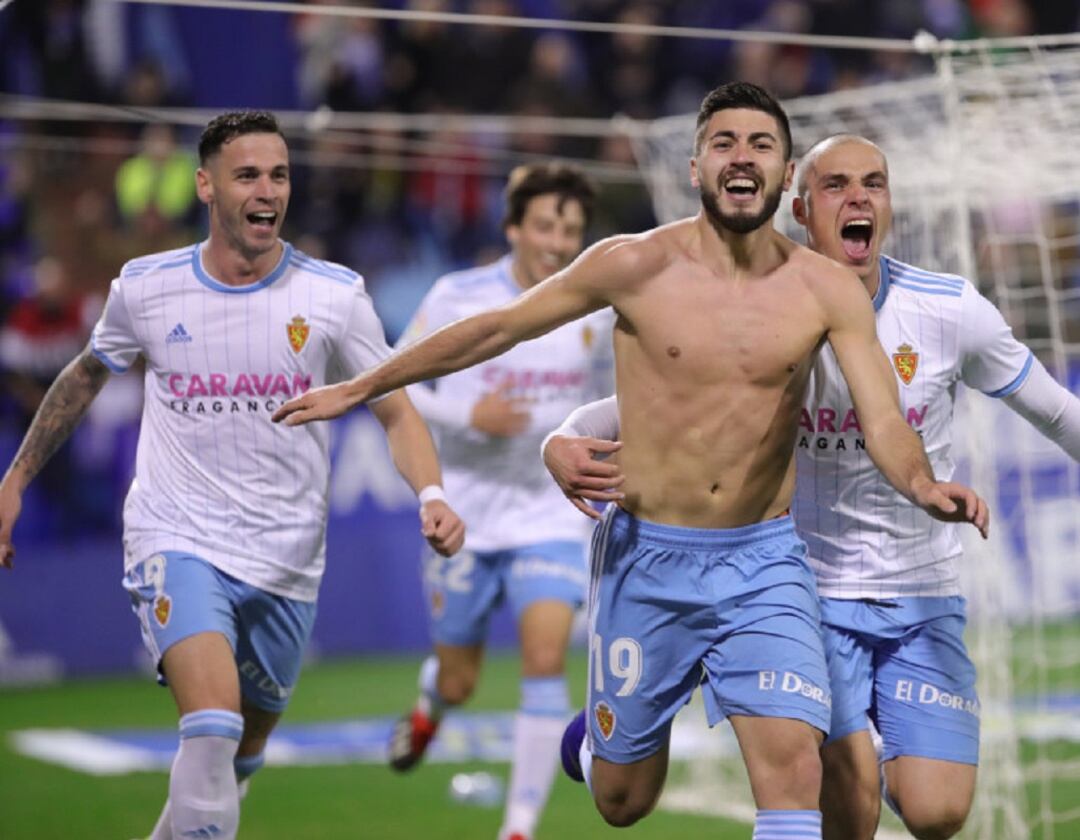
[298, 331]
[162, 609]
[438, 603]
[906, 362]
[587, 336]
[605, 719]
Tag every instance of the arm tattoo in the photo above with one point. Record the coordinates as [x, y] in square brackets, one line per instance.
[60, 411]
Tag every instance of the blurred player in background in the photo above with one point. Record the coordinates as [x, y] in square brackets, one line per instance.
[886, 572]
[224, 526]
[522, 545]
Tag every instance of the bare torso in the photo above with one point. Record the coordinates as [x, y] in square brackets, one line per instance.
[711, 369]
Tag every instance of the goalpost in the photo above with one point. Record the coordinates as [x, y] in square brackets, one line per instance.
[985, 178]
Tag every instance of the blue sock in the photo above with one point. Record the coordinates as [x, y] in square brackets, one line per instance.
[246, 766]
[787, 825]
[572, 738]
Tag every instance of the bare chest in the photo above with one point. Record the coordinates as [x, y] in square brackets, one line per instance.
[712, 333]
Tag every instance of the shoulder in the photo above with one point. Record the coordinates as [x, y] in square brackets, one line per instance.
[324, 270]
[479, 282]
[146, 266]
[627, 258]
[920, 281]
[827, 280]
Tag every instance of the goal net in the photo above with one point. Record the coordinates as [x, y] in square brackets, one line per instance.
[986, 183]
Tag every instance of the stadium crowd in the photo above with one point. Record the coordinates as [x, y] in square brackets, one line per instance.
[78, 198]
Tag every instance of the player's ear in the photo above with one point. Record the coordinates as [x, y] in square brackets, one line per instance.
[789, 175]
[695, 181]
[204, 188]
[798, 210]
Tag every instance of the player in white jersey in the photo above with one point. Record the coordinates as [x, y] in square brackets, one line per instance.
[225, 521]
[524, 545]
[886, 572]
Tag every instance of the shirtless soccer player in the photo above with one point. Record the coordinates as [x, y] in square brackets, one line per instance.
[892, 613]
[699, 571]
[225, 523]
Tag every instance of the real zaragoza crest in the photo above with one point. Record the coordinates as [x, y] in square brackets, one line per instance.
[162, 609]
[906, 362]
[605, 719]
[298, 331]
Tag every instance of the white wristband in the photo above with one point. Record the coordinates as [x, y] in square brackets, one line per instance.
[431, 493]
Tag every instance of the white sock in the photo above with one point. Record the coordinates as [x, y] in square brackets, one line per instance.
[244, 768]
[431, 703]
[585, 760]
[203, 797]
[538, 731]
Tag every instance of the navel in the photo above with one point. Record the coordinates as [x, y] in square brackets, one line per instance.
[792, 368]
[714, 488]
[674, 351]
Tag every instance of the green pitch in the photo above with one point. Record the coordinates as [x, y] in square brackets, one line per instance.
[40, 801]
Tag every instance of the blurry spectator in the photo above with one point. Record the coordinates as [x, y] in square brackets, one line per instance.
[40, 335]
[341, 63]
[159, 180]
[50, 39]
[15, 247]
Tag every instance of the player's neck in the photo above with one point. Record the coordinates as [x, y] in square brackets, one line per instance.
[740, 252]
[519, 275]
[231, 267]
[872, 280]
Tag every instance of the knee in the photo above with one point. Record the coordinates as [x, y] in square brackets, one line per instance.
[542, 661]
[939, 822]
[456, 685]
[800, 774]
[622, 808]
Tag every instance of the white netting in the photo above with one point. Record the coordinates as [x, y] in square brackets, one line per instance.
[986, 183]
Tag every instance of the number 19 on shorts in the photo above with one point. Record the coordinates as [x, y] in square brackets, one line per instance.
[623, 662]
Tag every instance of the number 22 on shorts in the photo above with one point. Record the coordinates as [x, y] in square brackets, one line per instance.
[624, 662]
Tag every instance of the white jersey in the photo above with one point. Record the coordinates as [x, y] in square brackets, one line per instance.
[213, 475]
[865, 539]
[500, 486]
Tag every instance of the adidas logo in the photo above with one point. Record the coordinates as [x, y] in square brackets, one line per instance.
[178, 336]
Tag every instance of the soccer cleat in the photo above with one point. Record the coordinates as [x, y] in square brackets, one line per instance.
[410, 740]
[570, 750]
[517, 835]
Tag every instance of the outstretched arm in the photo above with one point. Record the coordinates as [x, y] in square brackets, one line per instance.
[893, 446]
[63, 407]
[414, 456]
[581, 288]
[1050, 408]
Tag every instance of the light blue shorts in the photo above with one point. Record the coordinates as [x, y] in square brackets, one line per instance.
[902, 664]
[464, 590]
[671, 608]
[176, 595]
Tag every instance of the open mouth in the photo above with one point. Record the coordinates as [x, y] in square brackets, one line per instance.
[856, 237]
[741, 187]
[264, 219]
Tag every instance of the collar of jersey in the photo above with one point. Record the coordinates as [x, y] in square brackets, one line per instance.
[506, 271]
[883, 283]
[218, 286]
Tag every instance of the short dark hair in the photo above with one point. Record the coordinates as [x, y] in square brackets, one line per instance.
[225, 127]
[529, 180]
[742, 95]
